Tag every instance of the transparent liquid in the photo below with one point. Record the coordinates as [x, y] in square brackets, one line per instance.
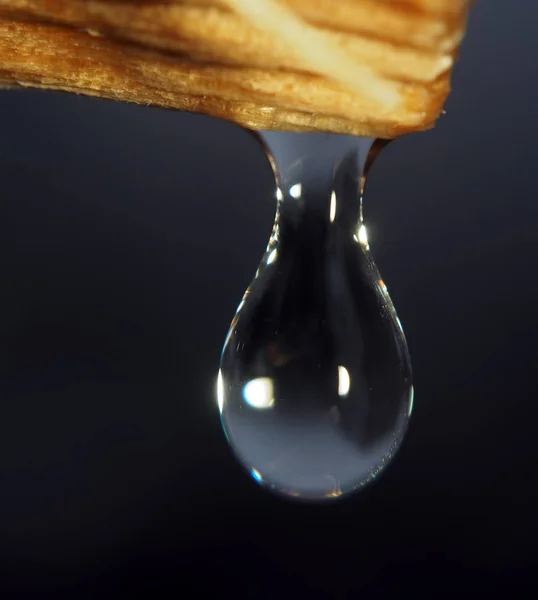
[315, 388]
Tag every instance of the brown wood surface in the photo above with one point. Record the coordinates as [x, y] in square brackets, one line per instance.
[197, 55]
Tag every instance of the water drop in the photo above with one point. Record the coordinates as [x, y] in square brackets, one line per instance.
[314, 387]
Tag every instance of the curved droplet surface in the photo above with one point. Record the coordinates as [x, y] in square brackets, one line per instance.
[315, 387]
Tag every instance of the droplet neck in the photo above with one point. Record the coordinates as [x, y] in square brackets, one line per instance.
[320, 179]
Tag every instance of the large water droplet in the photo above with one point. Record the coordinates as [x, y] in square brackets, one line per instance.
[314, 387]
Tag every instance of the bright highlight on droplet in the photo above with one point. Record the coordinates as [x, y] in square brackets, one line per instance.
[296, 190]
[344, 381]
[332, 209]
[220, 391]
[240, 306]
[333, 494]
[279, 195]
[272, 257]
[363, 236]
[336, 491]
[411, 399]
[259, 393]
[256, 475]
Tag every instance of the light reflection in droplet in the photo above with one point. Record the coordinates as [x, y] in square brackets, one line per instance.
[220, 391]
[336, 491]
[332, 209]
[333, 494]
[344, 381]
[259, 393]
[363, 236]
[411, 399]
[296, 190]
[272, 257]
[279, 195]
[256, 475]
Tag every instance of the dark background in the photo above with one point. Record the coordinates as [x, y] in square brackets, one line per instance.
[127, 237]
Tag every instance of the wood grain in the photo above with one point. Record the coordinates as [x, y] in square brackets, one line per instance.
[197, 55]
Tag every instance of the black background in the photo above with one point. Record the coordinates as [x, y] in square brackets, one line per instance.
[127, 237]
